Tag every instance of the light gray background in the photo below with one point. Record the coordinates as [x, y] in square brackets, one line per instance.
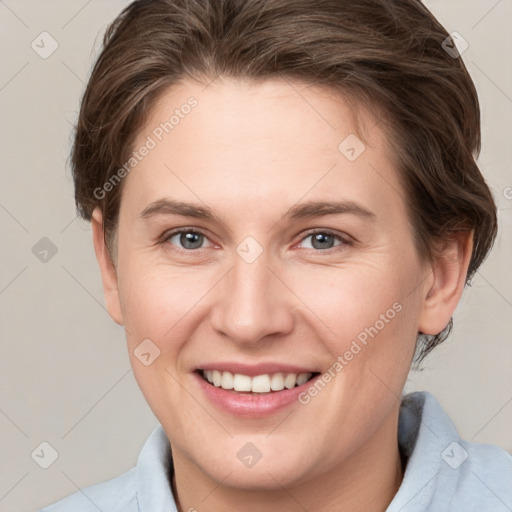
[65, 376]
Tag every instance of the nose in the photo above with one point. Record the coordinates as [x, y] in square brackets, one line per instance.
[252, 303]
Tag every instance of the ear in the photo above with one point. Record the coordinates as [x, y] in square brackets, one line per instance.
[445, 286]
[107, 269]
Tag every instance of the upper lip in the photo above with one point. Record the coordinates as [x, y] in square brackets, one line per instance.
[255, 369]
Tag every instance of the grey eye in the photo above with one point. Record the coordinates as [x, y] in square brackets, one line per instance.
[187, 239]
[322, 240]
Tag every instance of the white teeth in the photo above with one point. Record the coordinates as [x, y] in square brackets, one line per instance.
[277, 382]
[216, 378]
[290, 380]
[227, 380]
[302, 378]
[257, 384]
[261, 384]
[241, 382]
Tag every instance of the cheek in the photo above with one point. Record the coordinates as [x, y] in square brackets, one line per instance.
[156, 309]
[161, 303]
[366, 316]
[152, 306]
[349, 300]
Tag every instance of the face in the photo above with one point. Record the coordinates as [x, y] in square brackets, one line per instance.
[251, 242]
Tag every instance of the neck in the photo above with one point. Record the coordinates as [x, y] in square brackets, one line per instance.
[367, 480]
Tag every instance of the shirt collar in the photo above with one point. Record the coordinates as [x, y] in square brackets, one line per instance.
[424, 432]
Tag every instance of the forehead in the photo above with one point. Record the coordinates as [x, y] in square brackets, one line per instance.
[237, 143]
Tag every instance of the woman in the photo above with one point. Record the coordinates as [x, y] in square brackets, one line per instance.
[285, 208]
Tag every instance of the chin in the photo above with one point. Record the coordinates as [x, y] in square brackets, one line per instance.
[263, 479]
[269, 473]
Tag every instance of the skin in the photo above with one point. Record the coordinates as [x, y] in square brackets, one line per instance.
[249, 151]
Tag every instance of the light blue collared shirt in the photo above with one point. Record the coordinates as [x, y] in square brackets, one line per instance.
[443, 472]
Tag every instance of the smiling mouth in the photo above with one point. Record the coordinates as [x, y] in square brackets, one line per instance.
[264, 383]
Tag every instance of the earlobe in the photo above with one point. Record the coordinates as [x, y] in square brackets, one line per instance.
[446, 285]
[107, 269]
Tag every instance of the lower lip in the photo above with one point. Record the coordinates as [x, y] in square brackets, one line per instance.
[251, 404]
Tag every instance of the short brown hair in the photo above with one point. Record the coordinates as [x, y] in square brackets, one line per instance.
[388, 52]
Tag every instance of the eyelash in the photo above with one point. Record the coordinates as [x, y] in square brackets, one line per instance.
[345, 240]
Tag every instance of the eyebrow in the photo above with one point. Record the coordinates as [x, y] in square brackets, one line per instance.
[307, 210]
